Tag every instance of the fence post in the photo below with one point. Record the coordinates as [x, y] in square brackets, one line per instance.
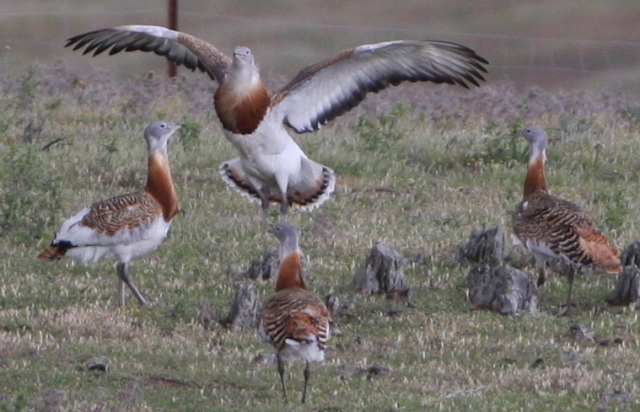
[173, 25]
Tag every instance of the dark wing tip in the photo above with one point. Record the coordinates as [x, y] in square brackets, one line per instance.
[74, 39]
[81, 39]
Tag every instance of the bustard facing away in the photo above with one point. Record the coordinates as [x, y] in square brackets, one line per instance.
[550, 227]
[295, 321]
[271, 167]
[126, 226]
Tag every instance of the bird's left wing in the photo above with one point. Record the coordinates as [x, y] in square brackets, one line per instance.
[325, 90]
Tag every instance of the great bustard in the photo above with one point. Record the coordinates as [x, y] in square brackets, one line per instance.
[271, 167]
[126, 226]
[295, 321]
[551, 228]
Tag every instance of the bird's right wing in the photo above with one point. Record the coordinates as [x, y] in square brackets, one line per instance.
[179, 48]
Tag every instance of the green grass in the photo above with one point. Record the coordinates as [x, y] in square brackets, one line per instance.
[418, 184]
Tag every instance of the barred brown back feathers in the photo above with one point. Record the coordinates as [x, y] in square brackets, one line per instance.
[126, 211]
[295, 314]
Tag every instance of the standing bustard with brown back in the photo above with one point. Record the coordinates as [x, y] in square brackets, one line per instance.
[551, 228]
[271, 167]
[295, 321]
[126, 226]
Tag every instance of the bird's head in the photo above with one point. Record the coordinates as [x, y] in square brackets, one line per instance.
[159, 133]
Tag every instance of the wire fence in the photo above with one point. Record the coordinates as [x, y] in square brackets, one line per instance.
[285, 46]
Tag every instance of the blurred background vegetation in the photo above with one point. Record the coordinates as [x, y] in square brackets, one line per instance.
[586, 45]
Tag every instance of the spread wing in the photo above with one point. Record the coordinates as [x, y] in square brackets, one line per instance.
[179, 48]
[325, 90]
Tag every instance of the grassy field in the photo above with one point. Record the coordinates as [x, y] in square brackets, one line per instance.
[418, 175]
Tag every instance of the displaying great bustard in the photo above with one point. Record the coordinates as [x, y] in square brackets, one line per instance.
[271, 167]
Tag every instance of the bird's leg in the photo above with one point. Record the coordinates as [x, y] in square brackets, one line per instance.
[264, 203]
[284, 208]
[123, 273]
[263, 223]
[281, 372]
[542, 277]
[120, 289]
[571, 275]
[283, 184]
[307, 373]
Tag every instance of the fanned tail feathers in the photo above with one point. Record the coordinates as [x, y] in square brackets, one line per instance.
[233, 175]
[312, 188]
[315, 186]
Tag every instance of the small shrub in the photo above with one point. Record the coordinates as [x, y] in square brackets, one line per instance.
[503, 146]
[28, 88]
[110, 148]
[190, 135]
[23, 209]
[616, 205]
[381, 133]
[631, 114]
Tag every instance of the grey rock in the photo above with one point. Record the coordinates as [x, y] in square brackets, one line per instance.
[265, 358]
[244, 309]
[627, 291]
[631, 254]
[483, 246]
[381, 272]
[581, 333]
[207, 314]
[503, 289]
[264, 268]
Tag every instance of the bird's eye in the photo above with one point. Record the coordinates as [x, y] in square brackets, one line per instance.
[163, 125]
